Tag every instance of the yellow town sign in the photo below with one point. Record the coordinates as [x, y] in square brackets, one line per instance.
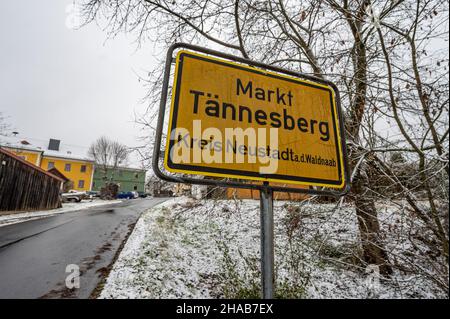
[233, 120]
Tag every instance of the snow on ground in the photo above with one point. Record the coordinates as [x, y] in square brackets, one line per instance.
[185, 248]
[10, 219]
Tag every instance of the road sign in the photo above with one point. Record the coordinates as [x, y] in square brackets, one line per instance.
[249, 120]
[231, 119]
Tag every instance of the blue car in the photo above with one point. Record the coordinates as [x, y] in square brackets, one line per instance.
[125, 195]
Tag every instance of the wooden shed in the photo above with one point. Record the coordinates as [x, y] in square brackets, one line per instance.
[25, 186]
[67, 183]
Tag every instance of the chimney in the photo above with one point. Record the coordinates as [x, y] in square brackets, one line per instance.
[53, 145]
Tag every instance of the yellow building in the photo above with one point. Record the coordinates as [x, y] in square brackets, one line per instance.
[80, 172]
[29, 155]
[76, 167]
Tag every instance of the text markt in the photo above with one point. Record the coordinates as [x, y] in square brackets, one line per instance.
[212, 106]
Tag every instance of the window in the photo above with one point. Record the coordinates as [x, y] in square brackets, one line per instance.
[50, 165]
[67, 167]
[136, 175]
[83, 169]
[80, 183]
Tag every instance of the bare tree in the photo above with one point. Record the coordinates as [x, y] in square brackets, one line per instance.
[390, 62]
[108, 155]
[4, 125]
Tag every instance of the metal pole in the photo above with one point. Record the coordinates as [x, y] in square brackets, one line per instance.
[267, 251]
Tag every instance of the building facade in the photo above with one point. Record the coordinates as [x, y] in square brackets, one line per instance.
[52, 154]
[78, 171]
[29, 155]
[128, 179]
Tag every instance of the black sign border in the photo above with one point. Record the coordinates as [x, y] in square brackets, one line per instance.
[240, 173]
[225, 183]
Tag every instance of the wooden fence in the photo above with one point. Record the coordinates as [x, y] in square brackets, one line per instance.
[26, 187]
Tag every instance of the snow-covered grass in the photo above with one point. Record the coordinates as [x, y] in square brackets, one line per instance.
[66, 208]
[185, 248]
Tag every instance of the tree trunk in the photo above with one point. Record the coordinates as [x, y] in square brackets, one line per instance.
[369, 228]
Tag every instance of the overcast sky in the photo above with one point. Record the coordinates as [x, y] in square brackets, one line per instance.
[72, 85]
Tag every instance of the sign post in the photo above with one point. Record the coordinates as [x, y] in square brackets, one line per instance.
[267, 243]
[245, 124]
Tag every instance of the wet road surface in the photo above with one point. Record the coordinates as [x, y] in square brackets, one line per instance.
[34, 254]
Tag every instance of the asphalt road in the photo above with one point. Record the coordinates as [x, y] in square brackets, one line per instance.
[34, 254]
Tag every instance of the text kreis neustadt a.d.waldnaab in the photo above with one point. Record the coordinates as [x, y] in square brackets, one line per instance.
[211, 105]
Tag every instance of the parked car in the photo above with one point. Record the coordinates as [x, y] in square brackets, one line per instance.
[135, 194]
[93, 194]
[142, 194]
[125, 195]
[73, 196]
